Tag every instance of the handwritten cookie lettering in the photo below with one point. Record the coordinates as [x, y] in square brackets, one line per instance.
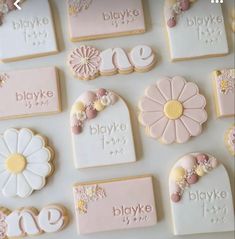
[88, 62]
[199, 186]
[28, 222]
[101, 118]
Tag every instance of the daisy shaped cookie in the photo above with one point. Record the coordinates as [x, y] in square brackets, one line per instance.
[25, 162]
[172, 110]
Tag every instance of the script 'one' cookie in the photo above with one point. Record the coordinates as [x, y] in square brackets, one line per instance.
[94, 19]
[25, 162]
[28, 32]
[101, 130]
[172, 110]
[195, 29]
[200, 195]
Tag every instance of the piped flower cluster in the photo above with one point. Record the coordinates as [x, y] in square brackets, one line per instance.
[76, 6]
[188, 172]
[226, 80]
[3, 225]
[88, 106]
[3, 78]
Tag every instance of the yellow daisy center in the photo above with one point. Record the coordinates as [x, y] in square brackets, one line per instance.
[16, 163]
[173, 109]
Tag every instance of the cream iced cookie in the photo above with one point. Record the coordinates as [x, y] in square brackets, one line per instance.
[30, 92]
[123, 204]
[224, 88]
[25, 162]
[101, 130]
[111, 18]
[233, 20]
[172, 110]
[30, 222]
[195, 29]
[87, 63]
[230, 140]
[200, 195]
[33, 28]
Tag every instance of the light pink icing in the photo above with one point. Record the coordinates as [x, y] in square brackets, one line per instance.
[152, 110]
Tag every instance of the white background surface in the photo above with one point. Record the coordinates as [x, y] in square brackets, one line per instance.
[153, 157]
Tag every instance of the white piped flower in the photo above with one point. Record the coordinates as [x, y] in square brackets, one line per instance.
[81, 115]
[106, 100]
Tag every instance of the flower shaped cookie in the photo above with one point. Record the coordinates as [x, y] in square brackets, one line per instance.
[85, 62]
[173, 110]
[24, 163]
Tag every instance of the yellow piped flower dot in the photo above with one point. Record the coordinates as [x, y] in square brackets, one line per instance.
[199, 171]
[16, 163]
[98, 105]
[78, 107]
[178, 174]
[173, 109]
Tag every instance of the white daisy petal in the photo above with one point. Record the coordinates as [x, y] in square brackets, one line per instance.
[11, 139]
[198, 115]
[10, 188]
[2, 167]
[42, 169]
[177, 85]
[4, 176]
[23, 187]
[192, 126]
[149, 118]
[4, 151]
[158, 128]
[25, 136]
[168, 136]
[35, 144]
[196, 102]
[189, 90]
[2, 158]
[35, 181]
[41, 156]
[164, 85]
[146, 104]
[182, 134]
[153, 93]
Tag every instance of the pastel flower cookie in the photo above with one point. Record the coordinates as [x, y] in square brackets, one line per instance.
[25, 162]
[172, 110]
[200, 195]
[230, 140]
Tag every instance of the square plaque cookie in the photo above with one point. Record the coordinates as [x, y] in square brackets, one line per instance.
[33, 28]
[115, 205]
[94, 19]
[30, 92]
[195, 29]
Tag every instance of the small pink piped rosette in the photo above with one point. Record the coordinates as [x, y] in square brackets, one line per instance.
[88, 106]
[188, 171]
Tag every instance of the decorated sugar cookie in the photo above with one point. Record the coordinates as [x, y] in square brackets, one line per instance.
[233, 20]
[29, 222]
[25, 162]
[123, 203]
[32, 26]
[200, 195]
[101, 130]
[112, 18]
[224, 92]
[172, 110]
[88, 62]
[195, 29]
[230, 140]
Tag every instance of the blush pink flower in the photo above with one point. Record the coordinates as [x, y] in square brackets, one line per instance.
[172, 110]
[84, 62]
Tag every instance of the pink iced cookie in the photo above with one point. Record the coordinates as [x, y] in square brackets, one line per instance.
[224, 92]
[87, 63]
[122, 203]
[172, 110]
[200, 195]
[111, 18]
[30, 92]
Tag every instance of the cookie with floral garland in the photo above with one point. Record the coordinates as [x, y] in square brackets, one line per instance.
[25, 162]
[101, 130]
[200, 195]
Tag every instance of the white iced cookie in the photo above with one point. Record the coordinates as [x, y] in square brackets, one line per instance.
[25, 162]
[87, 63]
[30, 222]
[101, 130]
[33, 28]
[195, 29]
[200, 195]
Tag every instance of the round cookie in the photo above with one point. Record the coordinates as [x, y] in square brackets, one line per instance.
[172, 110]
[25, 162]
[230, 140]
